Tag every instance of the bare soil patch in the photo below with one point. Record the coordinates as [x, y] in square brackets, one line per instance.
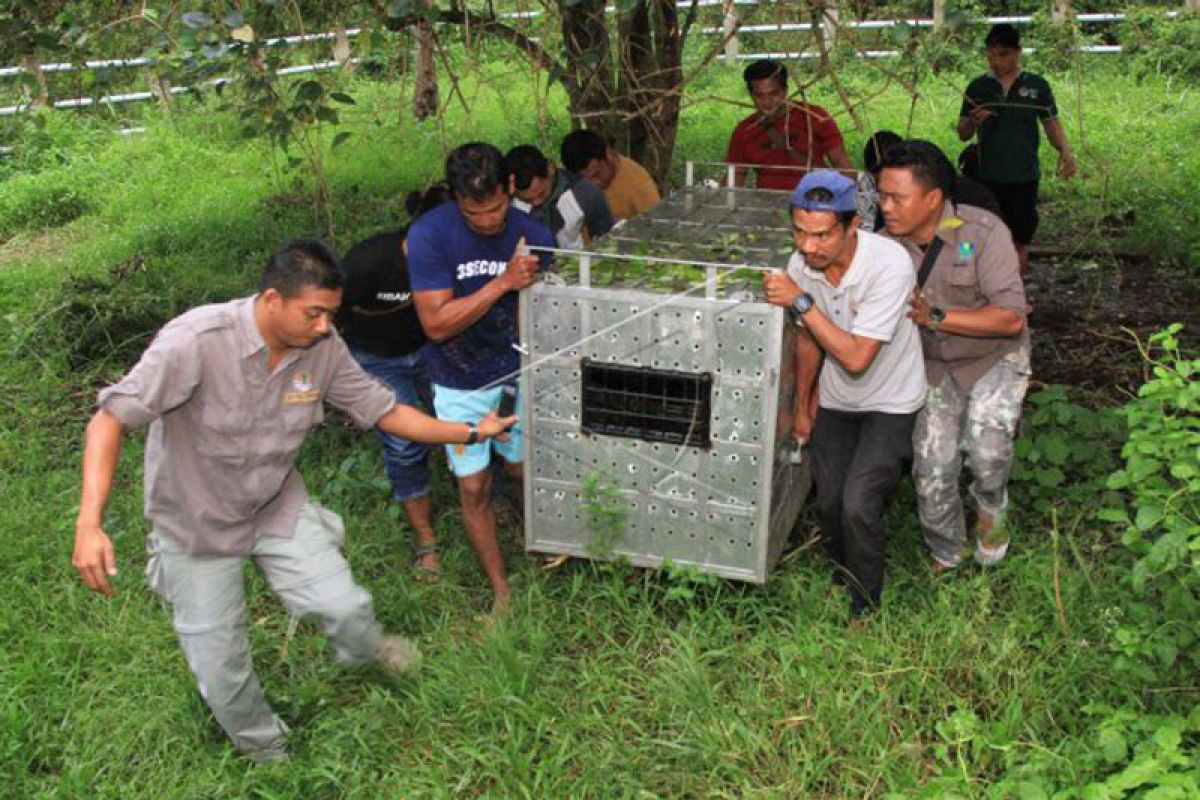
[1084, 311]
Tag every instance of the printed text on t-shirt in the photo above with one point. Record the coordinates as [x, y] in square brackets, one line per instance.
[473, 269]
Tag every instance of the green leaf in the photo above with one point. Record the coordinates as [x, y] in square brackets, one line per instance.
[901, 33]
[340, 139]
[196, 20]
[1113, 515]
[1147, 517]
[1050, 477]
[399, 8]
[1113, 746]
[341, 97]
[1055, 448]
[309, 91]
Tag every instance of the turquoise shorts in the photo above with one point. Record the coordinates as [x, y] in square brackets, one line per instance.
[470, 405]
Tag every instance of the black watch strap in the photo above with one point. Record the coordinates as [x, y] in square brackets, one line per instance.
[472, 434]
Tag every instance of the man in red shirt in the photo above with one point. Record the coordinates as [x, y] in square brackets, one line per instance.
[782, 133]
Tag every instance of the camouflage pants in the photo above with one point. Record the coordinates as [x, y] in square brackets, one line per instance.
[978, 425]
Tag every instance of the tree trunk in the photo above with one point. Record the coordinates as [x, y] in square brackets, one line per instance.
[650, 75]
[425, 85]
[729, 25]
[160, 87]
[589, 56]
[939, 14]
[825, 19]
[341, 50]
[1061, 11]
[33, 65]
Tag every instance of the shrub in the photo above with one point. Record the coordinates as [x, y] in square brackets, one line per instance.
[1160, 45]
[41, 203]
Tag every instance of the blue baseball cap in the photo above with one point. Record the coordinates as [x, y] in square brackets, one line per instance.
[838, 195]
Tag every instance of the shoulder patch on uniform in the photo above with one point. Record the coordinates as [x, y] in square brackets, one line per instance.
[979, 217]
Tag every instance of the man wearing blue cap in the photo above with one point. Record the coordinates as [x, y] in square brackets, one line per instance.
[860, 376]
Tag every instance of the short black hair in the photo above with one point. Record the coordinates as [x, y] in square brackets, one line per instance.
[418, 201]
[524, 163]
[929, 165]
[879, 143]
[300, 264]
[475, 170]
[581, 147]
[1003, 35]
[763, 69]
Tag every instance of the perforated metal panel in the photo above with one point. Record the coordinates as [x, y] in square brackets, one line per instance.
[725, 506]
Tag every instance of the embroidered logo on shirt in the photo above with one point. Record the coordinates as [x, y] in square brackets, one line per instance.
[302, 390]
[967, 251]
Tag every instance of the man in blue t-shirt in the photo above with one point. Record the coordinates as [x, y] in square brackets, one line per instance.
[466, 267]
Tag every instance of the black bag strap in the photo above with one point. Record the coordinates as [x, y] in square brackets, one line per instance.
[935, 249]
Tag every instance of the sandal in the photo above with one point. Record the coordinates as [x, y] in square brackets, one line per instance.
[991, 544]
[422, 572]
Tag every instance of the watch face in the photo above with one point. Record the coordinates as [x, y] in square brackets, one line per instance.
[804, 302]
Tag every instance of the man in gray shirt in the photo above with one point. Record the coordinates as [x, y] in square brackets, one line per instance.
[229, 392]
[850, 290]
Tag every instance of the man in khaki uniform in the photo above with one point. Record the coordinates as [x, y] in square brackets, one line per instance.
[970, 306]
[229, 392]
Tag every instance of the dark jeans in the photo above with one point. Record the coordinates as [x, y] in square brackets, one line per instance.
[858, 458]
[406, 462]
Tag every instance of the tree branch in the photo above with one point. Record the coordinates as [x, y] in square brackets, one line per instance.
[491, 25]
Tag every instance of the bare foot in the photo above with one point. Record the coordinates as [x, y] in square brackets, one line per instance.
[939, 568]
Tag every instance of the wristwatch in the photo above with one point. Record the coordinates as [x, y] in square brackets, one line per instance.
[472, 434]
[936, 317]
[803, 303]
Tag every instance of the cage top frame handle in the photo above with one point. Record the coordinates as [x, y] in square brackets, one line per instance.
[731, 168]
[711, 268]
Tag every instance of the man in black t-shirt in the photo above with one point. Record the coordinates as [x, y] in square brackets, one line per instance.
[379, 323]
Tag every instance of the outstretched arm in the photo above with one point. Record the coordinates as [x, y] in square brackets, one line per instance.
[94, 556]
[415, 425]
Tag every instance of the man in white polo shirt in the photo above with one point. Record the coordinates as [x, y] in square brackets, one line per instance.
[850, 290]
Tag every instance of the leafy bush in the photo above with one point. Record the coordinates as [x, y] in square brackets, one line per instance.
[1065, 451]
[1160, 45]
[41, 203]
[1162, 467]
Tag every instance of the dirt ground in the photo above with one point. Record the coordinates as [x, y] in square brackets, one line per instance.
[1084, 309]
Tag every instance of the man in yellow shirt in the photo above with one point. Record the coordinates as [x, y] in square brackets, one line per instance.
[627, 185]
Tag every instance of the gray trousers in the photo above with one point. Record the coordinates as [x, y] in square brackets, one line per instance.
[979, 425]
[206, 594]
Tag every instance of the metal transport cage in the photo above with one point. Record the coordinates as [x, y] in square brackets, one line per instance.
[658, 384]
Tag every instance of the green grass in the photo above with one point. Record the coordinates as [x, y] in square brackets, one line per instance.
[605, 681]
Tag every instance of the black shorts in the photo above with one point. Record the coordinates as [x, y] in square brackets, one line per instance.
[1018, 208]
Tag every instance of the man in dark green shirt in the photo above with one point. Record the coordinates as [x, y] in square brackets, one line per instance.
[1003, 106]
